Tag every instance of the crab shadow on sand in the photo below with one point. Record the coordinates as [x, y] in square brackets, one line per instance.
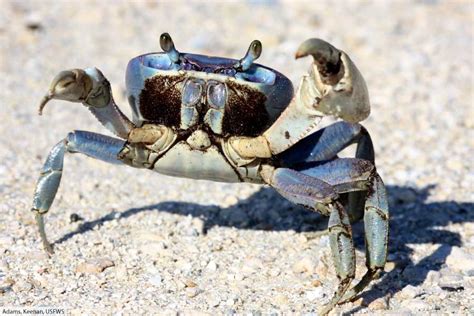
[413, 220]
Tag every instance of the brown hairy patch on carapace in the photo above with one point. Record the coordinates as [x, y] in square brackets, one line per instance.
[245, 112]
[160, 100]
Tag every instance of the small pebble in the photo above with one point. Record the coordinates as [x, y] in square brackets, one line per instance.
[416, 304]
[190, 283]
[211, 266]
[316, 283]
[379, 304]
[59, 290]
[94, 266]
[22, 286]
[315, 294]
[214, 301]
[409, 292]
[155, 280]
[192, 291]
[73, 218]
[281, 299]
[460, 260]
[451, 282]
[305, 264]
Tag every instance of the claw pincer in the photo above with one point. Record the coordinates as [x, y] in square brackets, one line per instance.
[326, 57]
[233, 120]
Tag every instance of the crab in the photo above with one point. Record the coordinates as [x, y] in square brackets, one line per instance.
[229, 120]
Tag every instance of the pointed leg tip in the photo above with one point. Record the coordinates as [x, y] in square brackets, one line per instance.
[49, 249]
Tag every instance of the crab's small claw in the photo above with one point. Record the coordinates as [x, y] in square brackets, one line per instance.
[254, 51]
[326, 57]
[167, 46]
[71, 85]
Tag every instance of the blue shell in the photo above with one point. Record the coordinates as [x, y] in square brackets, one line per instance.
[274, 87]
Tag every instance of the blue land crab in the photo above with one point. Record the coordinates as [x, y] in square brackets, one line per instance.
[231, 120]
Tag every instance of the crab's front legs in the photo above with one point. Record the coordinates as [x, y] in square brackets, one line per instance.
[92, 89]
[91, 144]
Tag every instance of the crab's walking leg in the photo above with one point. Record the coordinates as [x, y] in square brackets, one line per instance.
[349, 175]
[376, 235]
[320, 196]
[343, 253]
[91, 144]
[325, 145]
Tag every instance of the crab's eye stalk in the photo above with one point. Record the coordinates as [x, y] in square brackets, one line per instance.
[70, 85]
[167, 46]
[254, 51]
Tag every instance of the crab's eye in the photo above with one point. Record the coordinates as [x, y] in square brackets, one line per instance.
[192, 92]
[216, 95]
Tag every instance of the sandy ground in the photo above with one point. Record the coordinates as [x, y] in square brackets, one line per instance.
[176, 245]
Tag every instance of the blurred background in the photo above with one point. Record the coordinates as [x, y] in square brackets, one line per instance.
[243, 247]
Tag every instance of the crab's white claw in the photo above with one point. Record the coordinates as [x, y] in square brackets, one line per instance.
[87, 86]
[334, 82]
[71, 85]
[334, 86]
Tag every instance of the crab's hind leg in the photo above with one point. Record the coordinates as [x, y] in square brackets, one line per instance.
[322, 197]
[376, 219]
[352, 175]
[91, 144]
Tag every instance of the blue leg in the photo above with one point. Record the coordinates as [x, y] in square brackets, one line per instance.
[91, 144]
[320, 196]
[376, 219]
[324, 145]
[349, 175]
[343, 174]
[319, 187]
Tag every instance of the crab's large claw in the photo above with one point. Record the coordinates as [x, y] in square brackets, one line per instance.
[89, 87]
[342, 87]
[77, 85]
[326, 57]
[334, 86]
